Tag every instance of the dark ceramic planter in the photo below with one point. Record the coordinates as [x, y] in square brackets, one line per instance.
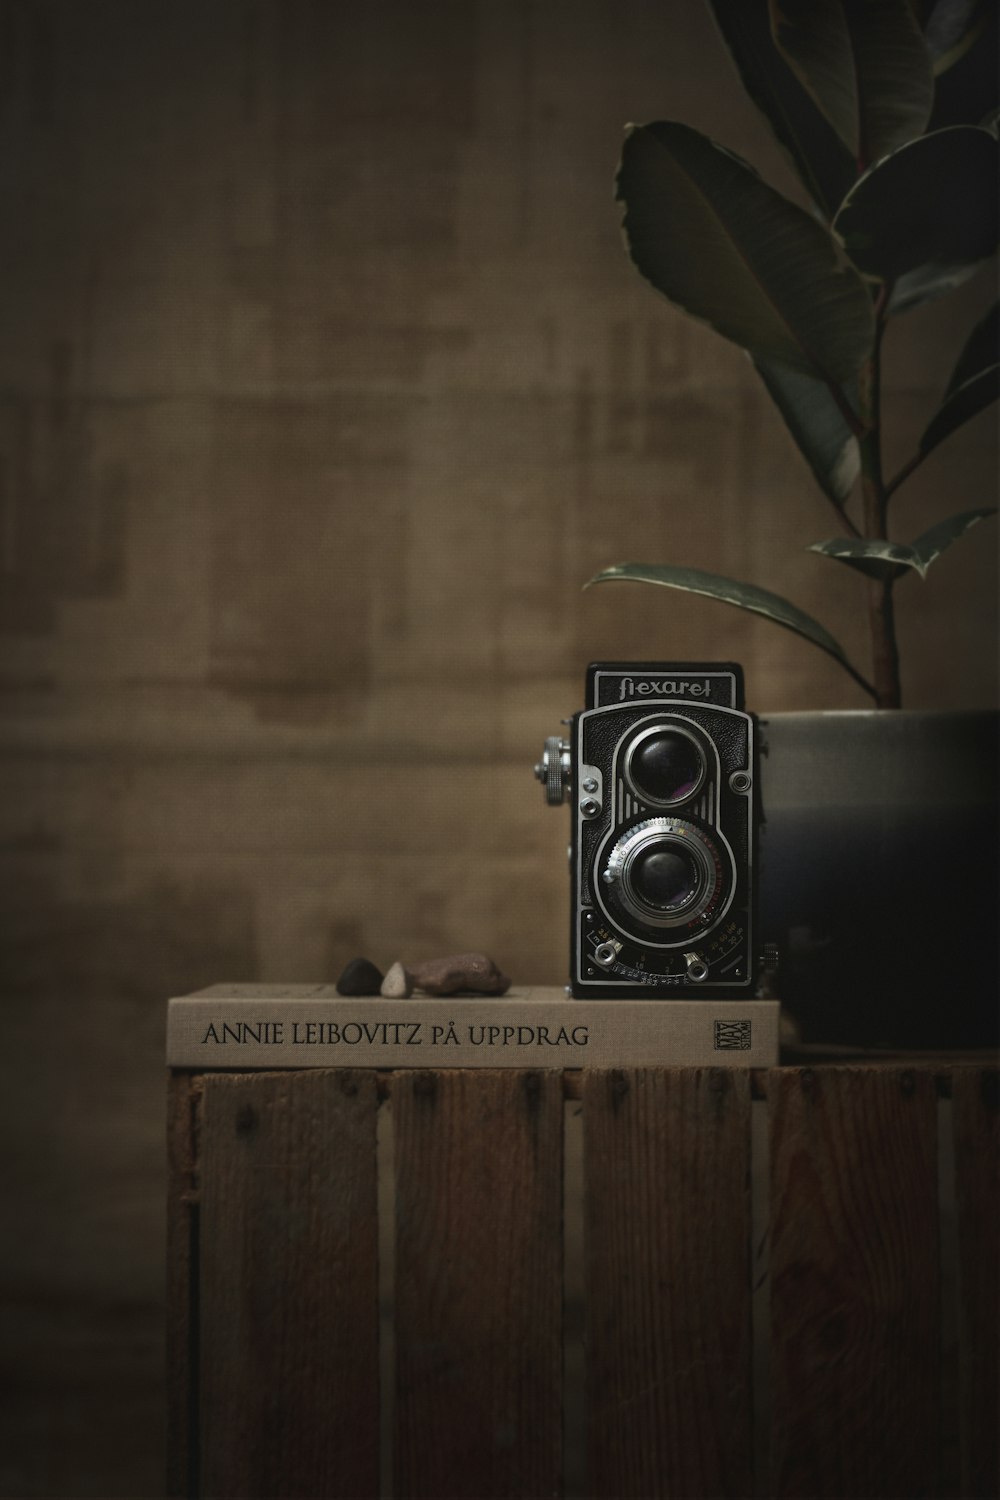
[879, 875]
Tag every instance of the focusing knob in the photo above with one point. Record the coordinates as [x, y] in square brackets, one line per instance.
[553, 770]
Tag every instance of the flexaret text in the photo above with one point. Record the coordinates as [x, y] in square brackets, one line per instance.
[672, 687]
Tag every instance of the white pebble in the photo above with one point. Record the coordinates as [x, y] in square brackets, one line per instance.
[397, 984]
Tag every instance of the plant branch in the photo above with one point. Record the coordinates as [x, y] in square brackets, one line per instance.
[856, 427]
[862, 682]
[854, 421]
[881, 616]
[904, 473]
[844, 518]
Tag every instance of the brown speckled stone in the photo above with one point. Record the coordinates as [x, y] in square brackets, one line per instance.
[460, 972]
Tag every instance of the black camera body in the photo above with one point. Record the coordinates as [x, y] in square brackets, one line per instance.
[660, 770]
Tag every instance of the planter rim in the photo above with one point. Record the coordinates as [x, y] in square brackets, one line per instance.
[880, 715]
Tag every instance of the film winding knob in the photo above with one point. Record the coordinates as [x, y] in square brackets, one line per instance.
[553, 770]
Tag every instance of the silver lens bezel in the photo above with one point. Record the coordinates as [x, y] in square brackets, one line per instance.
[663, 726]
[658, 832]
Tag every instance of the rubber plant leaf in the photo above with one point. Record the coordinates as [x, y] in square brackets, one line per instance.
[729, 591]
[931, 208]
[866, 65]
[930, 544]
[928, 284]
[874, 559]
[967, 79]
[974, 383]
[712, 237]
[818, 426]
[980, 351]
[821, 160]
[879, 559]
[950, 28]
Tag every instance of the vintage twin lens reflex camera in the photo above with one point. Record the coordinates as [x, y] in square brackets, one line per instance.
[660, 773]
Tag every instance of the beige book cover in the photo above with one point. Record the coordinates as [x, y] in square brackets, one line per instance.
[312, 1026]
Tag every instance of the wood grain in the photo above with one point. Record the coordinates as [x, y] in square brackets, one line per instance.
[855, 1333]
[976, 1116]
[478, 1283]
[667, 1215]
[288, 1278]
[183, 1107]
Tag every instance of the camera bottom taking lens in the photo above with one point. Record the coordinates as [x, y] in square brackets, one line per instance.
[665, 879]
[664, 873]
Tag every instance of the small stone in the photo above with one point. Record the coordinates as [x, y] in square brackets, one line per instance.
[475, 972]
[397, 984]
[360, 977]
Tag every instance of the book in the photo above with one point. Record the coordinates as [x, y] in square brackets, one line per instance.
[245, 1026]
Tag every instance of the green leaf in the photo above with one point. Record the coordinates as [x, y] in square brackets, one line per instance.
[729, 591]
[930, 544]
[930, 208]
[818, 426]
[950, 29]
[974, 383]
[981, 350]
[874, 559]
[969, 86]
[927, 284]
[879, 559]
[704, 229]
[820, 158]
[866, 65]
[966, 402]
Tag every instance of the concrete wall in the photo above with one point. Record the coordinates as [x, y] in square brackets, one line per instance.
[325, 385]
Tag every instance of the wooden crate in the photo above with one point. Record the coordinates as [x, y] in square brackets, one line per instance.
[679, 1282]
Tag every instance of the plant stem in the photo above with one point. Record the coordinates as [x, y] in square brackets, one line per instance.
[904, 473]
[881, 615]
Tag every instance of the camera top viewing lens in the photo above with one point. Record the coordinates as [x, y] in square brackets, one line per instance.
[665, 766]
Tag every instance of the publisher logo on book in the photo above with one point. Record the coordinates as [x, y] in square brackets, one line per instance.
[732, 1036]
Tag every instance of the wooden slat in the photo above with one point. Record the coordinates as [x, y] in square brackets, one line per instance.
[478, 1283]
[855, 1333]
[289, 1294]
[183, 1099]
[668, 1293]
[976, 1116]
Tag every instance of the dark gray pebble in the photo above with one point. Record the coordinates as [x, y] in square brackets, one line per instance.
[360, 977]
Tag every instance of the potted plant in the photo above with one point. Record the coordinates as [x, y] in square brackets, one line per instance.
[887, 109]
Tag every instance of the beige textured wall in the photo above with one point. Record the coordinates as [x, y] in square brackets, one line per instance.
[325, 385]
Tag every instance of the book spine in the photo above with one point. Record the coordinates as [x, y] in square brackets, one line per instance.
[271, 1031]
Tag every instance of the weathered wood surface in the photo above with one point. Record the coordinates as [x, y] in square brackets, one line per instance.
[288, 1277]
[478, 1165]
[273, 1283]
[855, 1333]
[183, 1108]
[668, 1289]
[976, 1116]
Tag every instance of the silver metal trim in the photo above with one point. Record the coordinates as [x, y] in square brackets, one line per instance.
[657, 728]
[655, 832]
